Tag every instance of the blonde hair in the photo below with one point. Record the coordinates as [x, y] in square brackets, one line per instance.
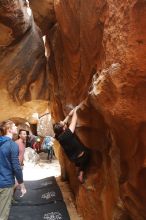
[4, 126]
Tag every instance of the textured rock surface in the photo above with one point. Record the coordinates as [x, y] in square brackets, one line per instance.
[98, 54]
[76, 56]
[43, 13]
[44, 126]
[31, 156]
[22, 62]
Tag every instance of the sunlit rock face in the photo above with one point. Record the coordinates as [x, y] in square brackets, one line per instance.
[98, 55]
[22, 61]
[44, 126]
[75, 56]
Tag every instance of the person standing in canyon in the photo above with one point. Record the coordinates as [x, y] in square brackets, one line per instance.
[73, 148]
[9, 167]
[21, 144]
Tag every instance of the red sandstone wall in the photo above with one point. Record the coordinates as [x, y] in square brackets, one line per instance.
[98, 54]
[23, 78]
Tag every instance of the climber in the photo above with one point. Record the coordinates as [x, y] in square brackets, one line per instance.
[74, 149]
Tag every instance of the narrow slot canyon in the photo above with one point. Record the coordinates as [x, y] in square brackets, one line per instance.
[59, 54]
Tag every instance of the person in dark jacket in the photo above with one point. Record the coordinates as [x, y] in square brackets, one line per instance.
[9, 167]
[74, 149]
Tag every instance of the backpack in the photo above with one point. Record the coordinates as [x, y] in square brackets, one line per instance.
[47, 143]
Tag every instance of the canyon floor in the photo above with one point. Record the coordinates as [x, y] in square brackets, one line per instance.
[45, 169]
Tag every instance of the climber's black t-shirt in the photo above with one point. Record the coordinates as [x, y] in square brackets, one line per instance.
[71, 144]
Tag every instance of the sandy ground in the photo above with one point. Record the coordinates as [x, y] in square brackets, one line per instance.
[45, 169]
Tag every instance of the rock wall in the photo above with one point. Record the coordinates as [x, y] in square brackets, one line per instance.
[23, 74]
[98, 58]
[44, 14]
[44, 126]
